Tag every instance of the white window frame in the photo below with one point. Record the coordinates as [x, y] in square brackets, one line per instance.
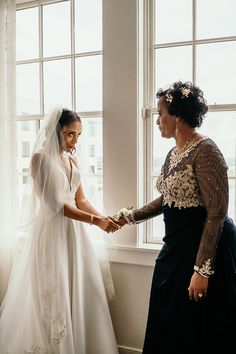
[72, 56]
[146, 235]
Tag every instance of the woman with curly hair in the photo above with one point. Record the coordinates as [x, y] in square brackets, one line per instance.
[192, 305]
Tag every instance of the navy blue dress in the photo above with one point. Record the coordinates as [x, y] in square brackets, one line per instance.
[198, 235]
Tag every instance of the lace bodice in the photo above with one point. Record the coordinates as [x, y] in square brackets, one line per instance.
[195, 177]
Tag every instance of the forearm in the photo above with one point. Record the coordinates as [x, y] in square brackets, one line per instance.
[148, 211]
[84, 205]
[81, 215]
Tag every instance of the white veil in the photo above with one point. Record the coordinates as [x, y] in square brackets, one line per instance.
[46, 192]
[35, 280]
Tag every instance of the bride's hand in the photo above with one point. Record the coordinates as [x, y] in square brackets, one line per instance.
[121, 222]
[107, 224]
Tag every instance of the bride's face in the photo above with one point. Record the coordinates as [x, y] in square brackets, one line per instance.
[70, 135]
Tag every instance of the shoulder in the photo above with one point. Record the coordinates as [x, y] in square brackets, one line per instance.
[208, 150]
[209, 146]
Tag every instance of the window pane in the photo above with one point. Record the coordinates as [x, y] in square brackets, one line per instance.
[27, 89]
[27, 36]
[88, 25]
[25, 144]
[56, 29]
[89, 83]
[92, 165]
[212, 127]
[216, 71]
[173, 64]
[158, 226]
[173, 22]
[220, 18]
[57, 83]
[160, 148]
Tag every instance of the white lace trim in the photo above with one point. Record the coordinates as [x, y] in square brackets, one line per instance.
[206, 268]
[180, 189]
[176, 158]
[55, 322]
[35, 349]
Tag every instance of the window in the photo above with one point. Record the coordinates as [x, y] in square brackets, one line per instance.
[181, 45]
[25, 175]
[59, 61]
[91, 150]
[25, 125]
[25, 148]
[91, 130]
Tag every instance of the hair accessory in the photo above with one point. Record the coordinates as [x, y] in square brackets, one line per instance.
[169, 97]
[185, 91]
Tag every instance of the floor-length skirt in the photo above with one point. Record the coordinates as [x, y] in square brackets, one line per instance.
[56, 301]
[175, 324]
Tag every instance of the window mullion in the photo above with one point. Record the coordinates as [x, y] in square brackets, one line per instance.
[41, 81]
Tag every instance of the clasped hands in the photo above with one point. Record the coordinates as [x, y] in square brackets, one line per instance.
[111, 223]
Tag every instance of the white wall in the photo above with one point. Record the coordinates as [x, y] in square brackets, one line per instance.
[129, 308]
[120, 107]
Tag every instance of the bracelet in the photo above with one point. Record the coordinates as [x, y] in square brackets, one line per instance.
[91, 220]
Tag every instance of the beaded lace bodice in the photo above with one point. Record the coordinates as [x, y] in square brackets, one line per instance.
[195, 177]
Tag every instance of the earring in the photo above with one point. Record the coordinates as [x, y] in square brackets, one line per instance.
[73, 151]
[176, 129]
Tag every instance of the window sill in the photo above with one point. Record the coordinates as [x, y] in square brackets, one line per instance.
[145, 256]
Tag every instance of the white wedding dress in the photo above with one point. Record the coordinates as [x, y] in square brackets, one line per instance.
[56, 301]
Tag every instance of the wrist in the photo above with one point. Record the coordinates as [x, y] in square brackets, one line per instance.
[125, 214]
[96, 220]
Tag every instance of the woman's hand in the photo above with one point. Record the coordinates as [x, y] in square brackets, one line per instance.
[121, 222]
[107, 224]
[198, 287]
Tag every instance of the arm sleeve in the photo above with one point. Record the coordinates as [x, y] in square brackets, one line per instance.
[211, 174]
[148, 211]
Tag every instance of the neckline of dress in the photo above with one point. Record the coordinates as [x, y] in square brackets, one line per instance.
[189, 147]
[66, 155]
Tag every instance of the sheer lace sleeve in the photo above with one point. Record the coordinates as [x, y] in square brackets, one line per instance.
[148, 211]
[211, 174]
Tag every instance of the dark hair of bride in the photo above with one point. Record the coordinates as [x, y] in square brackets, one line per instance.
[67, 117]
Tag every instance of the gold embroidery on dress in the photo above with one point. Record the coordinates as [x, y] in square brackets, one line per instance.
[180, 189]
[176, 158]
[206, 268]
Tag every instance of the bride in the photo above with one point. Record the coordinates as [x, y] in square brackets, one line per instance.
[56, 302]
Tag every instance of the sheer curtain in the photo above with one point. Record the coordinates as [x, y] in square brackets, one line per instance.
[8, 141]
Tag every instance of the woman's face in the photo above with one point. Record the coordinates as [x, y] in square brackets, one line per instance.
[70, 135]
[165, 121]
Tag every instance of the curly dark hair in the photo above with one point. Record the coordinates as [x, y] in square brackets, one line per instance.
[185, 100]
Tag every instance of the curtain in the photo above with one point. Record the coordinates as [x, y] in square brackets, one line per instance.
[8, 141]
